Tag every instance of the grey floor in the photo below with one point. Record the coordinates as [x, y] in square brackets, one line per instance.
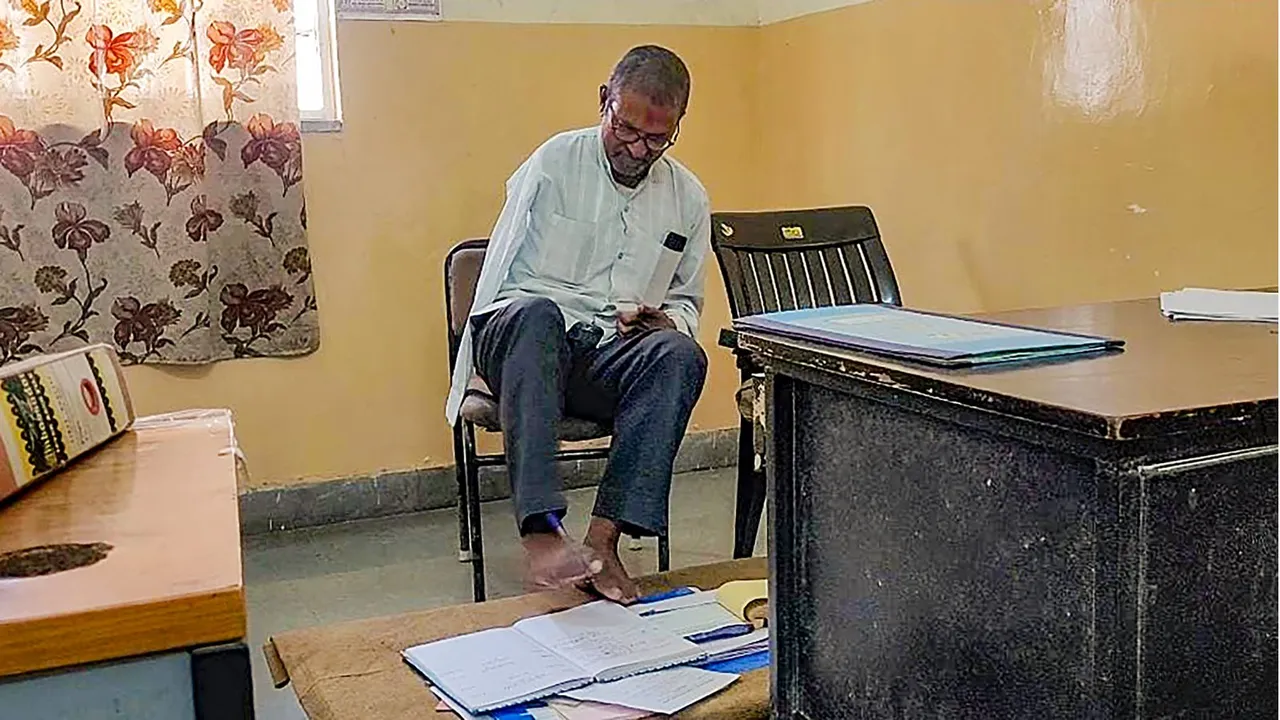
[380, 567]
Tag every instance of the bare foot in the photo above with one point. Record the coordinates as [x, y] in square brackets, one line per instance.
[612, 580]
[554, 561]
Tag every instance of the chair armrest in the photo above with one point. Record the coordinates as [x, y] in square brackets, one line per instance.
[747, 364]
[729, 338]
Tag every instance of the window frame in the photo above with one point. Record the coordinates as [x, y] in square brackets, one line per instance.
[328, 118]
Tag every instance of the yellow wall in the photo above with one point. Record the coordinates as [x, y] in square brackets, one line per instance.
[991, 191]
[436, 117]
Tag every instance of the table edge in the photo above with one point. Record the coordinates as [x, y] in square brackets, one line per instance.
[65, 641]
[853, 366]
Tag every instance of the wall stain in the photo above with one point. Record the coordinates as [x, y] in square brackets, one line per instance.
[1093, 53]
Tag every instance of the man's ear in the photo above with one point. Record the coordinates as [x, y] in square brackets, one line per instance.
[604, 97]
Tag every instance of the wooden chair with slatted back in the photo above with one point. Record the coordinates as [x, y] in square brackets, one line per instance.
[789, 260]
[480, 409]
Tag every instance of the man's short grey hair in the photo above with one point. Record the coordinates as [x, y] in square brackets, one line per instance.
[654, 72]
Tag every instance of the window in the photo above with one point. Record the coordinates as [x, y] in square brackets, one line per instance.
[319, 102]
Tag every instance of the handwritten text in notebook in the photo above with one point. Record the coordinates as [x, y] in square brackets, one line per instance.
[547, 655]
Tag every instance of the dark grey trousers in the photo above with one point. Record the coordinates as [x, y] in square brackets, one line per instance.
[644, 386]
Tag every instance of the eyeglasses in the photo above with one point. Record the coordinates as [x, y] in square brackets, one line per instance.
[628, 134]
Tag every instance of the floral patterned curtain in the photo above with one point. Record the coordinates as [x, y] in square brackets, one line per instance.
[151, 180]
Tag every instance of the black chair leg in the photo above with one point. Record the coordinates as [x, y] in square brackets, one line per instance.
[750, 499]
[460, 466]
[473, 515]
[664, 553]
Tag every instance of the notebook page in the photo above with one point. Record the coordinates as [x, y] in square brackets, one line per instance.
[689, 622]
[493, 668]
[607, 640]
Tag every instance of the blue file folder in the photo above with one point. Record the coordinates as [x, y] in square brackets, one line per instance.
[924, 337]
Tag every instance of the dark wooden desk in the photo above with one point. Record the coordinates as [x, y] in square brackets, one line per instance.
[1084, 539]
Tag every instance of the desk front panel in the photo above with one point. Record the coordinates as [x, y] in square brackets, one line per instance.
[933, 560]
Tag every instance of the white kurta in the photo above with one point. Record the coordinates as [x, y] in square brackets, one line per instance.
[568, 232]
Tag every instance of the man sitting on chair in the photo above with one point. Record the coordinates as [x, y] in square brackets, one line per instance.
[559, 325]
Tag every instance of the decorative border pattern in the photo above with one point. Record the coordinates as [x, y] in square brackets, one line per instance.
[37, 425]
[102, 392]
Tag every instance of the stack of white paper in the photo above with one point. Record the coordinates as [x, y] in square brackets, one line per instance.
[1225, 305]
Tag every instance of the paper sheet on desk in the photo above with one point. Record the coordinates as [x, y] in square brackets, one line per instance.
[580, 710]
[665, 691]
[455, 707]
[1221, 305]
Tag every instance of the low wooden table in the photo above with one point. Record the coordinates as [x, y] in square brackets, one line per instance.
[155, 629]
[353, 670]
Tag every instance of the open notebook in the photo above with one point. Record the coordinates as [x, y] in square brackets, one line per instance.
[548, 655]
